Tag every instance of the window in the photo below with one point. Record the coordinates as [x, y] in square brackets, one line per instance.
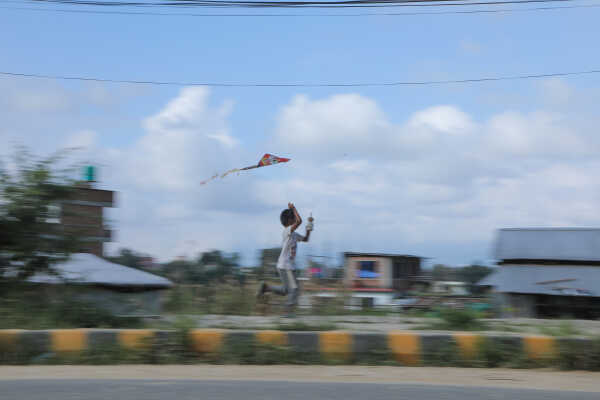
[367, 266]
[367, 270]
[54, 212]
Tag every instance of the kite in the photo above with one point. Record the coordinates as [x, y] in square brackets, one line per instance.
[266, 160]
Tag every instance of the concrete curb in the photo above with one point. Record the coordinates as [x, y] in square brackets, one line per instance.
[405, 347]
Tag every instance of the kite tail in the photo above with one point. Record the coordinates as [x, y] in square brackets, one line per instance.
[204, 182]
[221, 176]
[231, 171]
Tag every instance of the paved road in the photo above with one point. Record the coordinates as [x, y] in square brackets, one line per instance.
[246, 390]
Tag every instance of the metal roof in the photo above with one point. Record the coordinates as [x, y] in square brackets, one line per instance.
[82, 268]
[558, 280]
[569, 244]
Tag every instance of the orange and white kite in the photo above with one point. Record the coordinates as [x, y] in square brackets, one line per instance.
[266, 160]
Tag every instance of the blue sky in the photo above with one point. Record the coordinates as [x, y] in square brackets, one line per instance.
[431, 170]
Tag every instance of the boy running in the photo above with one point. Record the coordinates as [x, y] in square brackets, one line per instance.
[286, 265]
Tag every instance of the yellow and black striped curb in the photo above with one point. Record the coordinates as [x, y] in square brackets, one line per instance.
[405, 347]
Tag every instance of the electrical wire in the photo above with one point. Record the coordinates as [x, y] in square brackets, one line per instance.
[295, 4]
[382, 14]
[314, 85]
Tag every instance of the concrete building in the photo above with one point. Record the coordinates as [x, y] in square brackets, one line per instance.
[82, 215]
[122, 290]
[376, 279]
[550, 272]
[450, 288]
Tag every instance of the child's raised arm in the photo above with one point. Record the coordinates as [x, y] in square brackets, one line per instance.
[298, 219]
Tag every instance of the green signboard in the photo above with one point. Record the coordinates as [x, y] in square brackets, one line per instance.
[89, 173]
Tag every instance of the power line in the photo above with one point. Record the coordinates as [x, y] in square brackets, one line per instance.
[493, 11]
[296, 4]
[315, 85]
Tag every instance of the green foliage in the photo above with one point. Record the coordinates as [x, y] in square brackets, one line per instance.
[473, 273]
[29, 307]
[132, 259]
[442, 354]
[443, 273]
[303, 326]
[579, 355]
[250, 352]
[493, 354]
[28, 193]
[456, 319]
[470, 274]
[451, 319]
[210, 267]
[565, 328]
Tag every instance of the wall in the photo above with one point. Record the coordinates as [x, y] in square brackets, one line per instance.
[120, 303]
[383, 267]
[82, 215]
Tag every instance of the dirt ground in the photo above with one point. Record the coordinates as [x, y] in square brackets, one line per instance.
[396, 322]
[530, 379]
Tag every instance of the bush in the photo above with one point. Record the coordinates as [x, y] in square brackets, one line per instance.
[493, 354]
[442, 355]
[574, 354]
[30, 308]
[465, 320]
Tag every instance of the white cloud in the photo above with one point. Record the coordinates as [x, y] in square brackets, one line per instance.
[345, 123]
[184, 143]
[84, 139]
[439, 177]
[437, 183]
[537, 134]
[349, 165]
[445, 119]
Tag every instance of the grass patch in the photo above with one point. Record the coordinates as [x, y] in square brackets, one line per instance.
[292, 326]
[564, 329]
[574, 354]
[455, 320]
[303, 326]
[33, 310]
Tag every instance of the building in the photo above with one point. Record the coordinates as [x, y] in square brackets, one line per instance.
[450, 288]
[550, 272]
[379, 278]
[82, 215]
[121, 290]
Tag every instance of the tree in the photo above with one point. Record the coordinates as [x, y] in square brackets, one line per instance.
[473, 274]
[217, 265]
[443, 273]
[128, 258]
[29, 194]
[209, 267]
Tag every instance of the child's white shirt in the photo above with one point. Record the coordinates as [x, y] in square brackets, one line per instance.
[289, 244]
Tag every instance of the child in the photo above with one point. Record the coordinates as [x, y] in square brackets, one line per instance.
[286, 265]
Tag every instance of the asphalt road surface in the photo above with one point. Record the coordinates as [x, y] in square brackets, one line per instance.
[256, 390]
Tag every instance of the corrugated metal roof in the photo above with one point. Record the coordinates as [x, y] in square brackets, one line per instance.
[547, 279]
[88, 269]
[571, 244]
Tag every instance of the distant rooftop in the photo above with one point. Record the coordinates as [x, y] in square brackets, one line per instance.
[552, 280]
[88, 269]
[356, 254]
[561, 244]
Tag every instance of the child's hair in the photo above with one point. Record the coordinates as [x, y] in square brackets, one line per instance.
[286, 217]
